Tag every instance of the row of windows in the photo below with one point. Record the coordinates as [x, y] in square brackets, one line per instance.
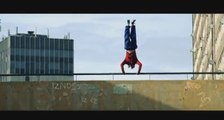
[41, 59]
[30, 67]
[36, 52]
[41, 71]
[46, 65]
[41, 43]
[38, 70]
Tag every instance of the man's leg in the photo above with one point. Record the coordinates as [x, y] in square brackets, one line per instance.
[133, 36]
[127, 37]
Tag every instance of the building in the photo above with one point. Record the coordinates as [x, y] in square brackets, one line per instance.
[36, 54]
[208, 45]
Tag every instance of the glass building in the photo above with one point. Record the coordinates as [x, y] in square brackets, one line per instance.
[36, 54]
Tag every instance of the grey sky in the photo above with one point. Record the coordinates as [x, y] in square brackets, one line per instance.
[164, 40]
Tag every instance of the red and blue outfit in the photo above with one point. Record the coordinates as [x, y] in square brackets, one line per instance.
[130, 44]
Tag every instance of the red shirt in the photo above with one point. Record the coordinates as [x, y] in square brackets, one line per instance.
[131, 59]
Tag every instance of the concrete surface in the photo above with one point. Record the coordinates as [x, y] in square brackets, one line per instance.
[113, 95]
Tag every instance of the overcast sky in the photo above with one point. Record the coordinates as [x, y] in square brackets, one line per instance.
[164, 40]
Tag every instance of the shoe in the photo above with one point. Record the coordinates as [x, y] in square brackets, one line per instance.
[133, 22]
[128, 21]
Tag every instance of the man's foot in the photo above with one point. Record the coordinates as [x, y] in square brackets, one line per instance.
[133, 22]
[128, 21]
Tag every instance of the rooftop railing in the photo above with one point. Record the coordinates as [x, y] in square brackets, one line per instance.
[121, 76]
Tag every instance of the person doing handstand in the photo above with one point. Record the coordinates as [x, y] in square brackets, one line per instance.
[130, 45]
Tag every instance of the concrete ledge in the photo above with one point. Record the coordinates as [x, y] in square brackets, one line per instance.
[113, 95]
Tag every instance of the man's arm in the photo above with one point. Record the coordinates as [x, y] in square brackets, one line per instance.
[122, 67]
[139, 66]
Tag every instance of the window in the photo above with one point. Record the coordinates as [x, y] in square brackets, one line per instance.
[52, 53]
[42, 44]
[42, 71]
[17, 40]
[41, 66]
[32, 58]
[17, 57]
[47, 59]
[12, 42]
[61, 68]
[12, 67]
[41, 52]
[47, 67]
[57, 52]
[27, 68]
[56, 59]
[22, 65]
[66, 67]
[61, 59]
[22, 71]
[70, 53]
[32, 67]
[52, 68]
[51, 59]
[56, 71]
[47, 44]
[66, 60]
[56, 44]
[52, 44]
[37, 67]
[71, 60]
[61, 71]
[27, 58]
[66, 47]
[22, 58]
[42, 59]
[37, 71]
[22, 43]
[66, 53]
[32, 42]
[36, 42]
[12, 58]
[37, 59]
[51, 71]
[70, 45]
[17, 70]
[70, 69]
[27, 40]
[61, 44]
[70, 72]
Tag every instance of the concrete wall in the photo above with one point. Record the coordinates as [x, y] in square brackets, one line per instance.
[113, 95]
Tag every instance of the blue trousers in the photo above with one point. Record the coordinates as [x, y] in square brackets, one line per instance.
[130, 42]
